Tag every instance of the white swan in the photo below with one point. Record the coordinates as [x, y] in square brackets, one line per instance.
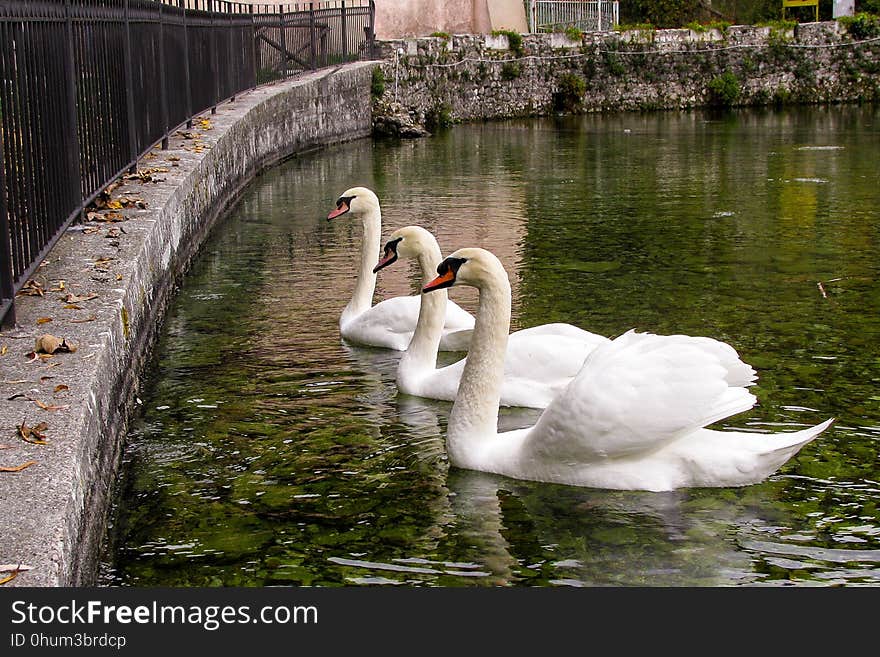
[390, 323]
[539, 361]
[634, 418]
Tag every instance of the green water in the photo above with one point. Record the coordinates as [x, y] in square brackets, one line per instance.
[268, 452]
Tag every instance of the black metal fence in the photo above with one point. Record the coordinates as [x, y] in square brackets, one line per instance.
[89, 86]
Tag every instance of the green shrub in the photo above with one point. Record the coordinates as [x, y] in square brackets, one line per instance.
[573, 33]
[514, 40]
[721, 26]
[377, 83]
[570, 93]
[442, 35]
[861, 26]
[510, 71]
[440, 116]
[724, 90]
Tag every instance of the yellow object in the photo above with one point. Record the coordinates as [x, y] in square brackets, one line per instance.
[800, 3]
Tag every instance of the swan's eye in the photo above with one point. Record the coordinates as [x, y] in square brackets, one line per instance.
[450, 264]
[391, 246]
[345, 201]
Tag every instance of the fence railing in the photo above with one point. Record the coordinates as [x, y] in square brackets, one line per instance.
[585, 15]
[87, 87]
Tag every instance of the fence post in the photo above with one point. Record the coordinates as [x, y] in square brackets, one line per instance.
[129, 92]
[215, 55]
[253, 45]
[233, 84]
[73, 148]
[283, 43]
[163, 86]
[189, 102]
[372, 35]
[313, 38]
[344, 34]
[7, 288]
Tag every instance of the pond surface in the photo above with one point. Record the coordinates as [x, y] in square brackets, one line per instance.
[269, 452]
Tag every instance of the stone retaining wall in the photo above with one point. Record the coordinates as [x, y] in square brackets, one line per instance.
[123, 273]
[478, 77]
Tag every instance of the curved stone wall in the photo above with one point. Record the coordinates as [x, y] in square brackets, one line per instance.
[122, 268]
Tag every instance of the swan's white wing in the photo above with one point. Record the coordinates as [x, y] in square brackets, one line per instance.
[457, 329]
[457, 317]
[538, 364]
[389, 324]
[635, 394]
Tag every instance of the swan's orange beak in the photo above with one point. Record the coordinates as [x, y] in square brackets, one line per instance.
[341, 208]
[390, 256]
[443, 280]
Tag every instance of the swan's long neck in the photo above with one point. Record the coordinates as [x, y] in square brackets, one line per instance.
[474, 415]
[362, 298]
[421, 354]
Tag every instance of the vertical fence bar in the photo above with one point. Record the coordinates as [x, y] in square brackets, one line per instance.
[371, 36]
[187, 81]
[344, 34]
[229, 40]
[215, 55]
[283, 43]
[74, 162]
[7, 289]
[163, 82]
[313, 38]
[129, 90]
[253, 44]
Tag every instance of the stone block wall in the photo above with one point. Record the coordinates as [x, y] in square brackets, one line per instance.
[479, 77]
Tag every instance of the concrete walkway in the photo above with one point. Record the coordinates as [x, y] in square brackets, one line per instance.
[104, 291]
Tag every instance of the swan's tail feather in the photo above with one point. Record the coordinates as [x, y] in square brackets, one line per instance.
[733, 401]
[737, 458]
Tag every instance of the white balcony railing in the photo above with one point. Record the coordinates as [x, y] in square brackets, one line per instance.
[585, 15]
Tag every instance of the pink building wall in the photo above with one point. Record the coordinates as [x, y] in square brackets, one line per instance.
[397, 19]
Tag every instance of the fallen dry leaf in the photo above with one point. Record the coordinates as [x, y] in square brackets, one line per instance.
[3, 350]
[128, 202]
[34, 356]
[78, 298]
[15, 570]
[33, 435]
[18, 468]
[9, 578]
[9, 567]
[51, 407]
[32, 289]
[49, 344]
[60, 387]
[44, 320]
[107, 216]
